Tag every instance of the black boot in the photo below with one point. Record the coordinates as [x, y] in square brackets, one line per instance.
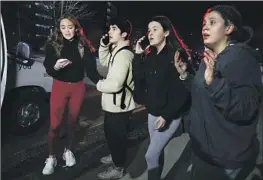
[154, 174]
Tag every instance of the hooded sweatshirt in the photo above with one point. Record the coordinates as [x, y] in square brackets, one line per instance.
[224, 114]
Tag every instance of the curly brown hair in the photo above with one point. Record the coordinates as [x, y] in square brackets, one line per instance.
[56, 38]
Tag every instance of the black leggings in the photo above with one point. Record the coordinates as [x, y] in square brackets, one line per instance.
[115, 128]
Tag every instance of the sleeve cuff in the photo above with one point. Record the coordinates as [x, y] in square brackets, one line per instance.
[166, 118]
[103, 46]
[98, 85]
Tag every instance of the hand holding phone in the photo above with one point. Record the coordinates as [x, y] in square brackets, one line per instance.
[145, 42]
[183, 55]
[141, 45]
[61, 63]
[105, 40]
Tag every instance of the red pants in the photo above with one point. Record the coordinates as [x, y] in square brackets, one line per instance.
[62, 94]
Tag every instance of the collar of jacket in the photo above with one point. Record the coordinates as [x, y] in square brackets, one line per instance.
[116, 48]
[163, 51]
[73, 42]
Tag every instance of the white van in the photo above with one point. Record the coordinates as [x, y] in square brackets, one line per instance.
[25, 89]
[25, 106]
[28, 86]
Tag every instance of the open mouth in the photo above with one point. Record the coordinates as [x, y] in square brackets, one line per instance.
[150, 39]
[205, 35]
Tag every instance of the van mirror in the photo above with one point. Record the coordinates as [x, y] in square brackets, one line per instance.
[23, 50]
[22, 55]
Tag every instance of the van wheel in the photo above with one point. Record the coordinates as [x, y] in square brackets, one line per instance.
[28, 112]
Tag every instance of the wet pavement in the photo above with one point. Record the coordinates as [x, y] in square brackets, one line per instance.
[22, 155]
[137, 167]
[16, 149]
[90, 146]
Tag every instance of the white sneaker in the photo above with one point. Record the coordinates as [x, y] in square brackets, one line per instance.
[106, 159]
[68, 156]
[51, 163]
[112, 173]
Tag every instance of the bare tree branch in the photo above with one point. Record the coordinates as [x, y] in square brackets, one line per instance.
[76, 8]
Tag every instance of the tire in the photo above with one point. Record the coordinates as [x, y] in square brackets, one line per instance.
[26, 112]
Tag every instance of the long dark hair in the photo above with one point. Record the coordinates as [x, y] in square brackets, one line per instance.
[231, 15]
[56, 38]
[173, 39]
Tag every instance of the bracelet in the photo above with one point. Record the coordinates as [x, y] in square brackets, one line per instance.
[183, 76]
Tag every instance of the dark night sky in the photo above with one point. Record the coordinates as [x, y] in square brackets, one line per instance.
[188, 12]
[186, 16]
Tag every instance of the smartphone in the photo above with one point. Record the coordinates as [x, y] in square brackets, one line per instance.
[185, 57]
[106, 40]
[65, 61]
[145, 42]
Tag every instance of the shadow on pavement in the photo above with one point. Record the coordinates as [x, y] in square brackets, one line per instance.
[87, 153]
[138, 167]
[179, 169]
